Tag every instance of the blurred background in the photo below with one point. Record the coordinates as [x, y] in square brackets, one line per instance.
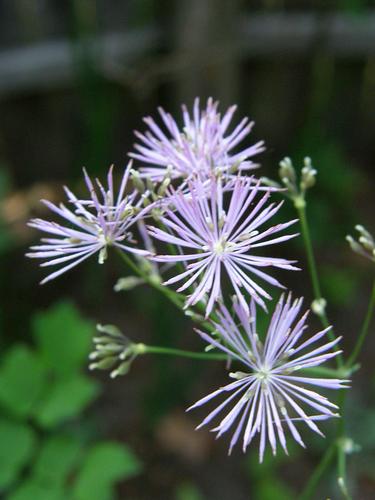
[76, 78]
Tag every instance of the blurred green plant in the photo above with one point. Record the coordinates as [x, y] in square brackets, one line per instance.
[46, 450]
[265, 480]
[188, 491]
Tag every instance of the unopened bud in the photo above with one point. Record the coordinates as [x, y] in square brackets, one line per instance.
[308, 177]
[103, 364]
[103, 254]
[164, 186]
[121, 370]
[127, 283]
[110, 330]
[365, 245]
[318, 306]
[137, 181]
[287, 171]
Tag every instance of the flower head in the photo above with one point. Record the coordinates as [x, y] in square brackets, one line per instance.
[93, 225]
[267, 397]
[204, 144]
[212, 241]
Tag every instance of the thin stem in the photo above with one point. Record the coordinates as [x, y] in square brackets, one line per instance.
[318, 472]
[168, 351]
[174, 297]
[341, 469]
[341, 456]
[177, 299]
[364, 330]
[314, 274]
[309, 252]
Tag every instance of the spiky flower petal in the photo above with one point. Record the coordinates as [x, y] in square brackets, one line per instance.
[92, 225]
[268, 397]
[203, 145]
[210, 241]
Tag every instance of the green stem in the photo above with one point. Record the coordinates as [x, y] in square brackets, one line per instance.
[301, 209]
[168, 351]
[341, 468]
[341, 457]
[174, 297]
[318, 472]
[364, 330]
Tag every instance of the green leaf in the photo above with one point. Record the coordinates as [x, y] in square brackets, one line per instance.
[105, 463]
[63, 337]
[57, 458]
[188, 491]
[16, 449]
[272, 488]
[33, 490]
[65, 400]
[22, 380]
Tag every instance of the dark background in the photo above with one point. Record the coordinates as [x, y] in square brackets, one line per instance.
[76, 78]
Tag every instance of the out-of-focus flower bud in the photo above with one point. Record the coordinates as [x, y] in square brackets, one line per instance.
[308, 175]
[127, 283]
[137, 181]
[365, 245]
[287, 171]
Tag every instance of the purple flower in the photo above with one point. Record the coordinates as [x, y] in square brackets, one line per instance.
[212, 241]
[267, 398]
[93, 225]
[202, 145]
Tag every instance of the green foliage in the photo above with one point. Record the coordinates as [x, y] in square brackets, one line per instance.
[23, 377]
[46, 389]
[339, 284]
[270, 489]
[104, 464]
[63, 338]
[266, 485]
[17, 447]
[57, 458]
[188, 491]
[31, 489]
[66, 399]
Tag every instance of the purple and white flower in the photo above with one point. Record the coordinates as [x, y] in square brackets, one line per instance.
[203, 145]
[210, 241]
[268, 397]
[92, 225]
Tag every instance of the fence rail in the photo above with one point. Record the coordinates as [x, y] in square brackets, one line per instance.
[51, 64]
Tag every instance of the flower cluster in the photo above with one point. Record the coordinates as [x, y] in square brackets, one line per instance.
[206, 225]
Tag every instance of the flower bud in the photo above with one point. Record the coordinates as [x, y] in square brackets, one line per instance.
[127, 283]
[137, 181]
[287, 172]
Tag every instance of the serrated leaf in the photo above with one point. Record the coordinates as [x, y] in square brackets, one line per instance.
[33, 490]
[17, 446]
[105, 464]
[22, 380]
[65, 400]
[57, 458]
[63, 337]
